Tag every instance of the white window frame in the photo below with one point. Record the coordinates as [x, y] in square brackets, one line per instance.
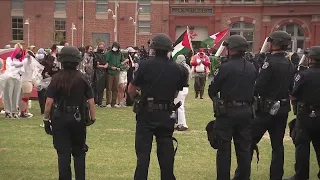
[291, 1]
[17, 4]
[102, 3]
[60, 2]
[243, 1]
[144, 3]
[295, 37]
[242, 29]
[144, 26]
[17, 28]
[60, 30]
[183, 1]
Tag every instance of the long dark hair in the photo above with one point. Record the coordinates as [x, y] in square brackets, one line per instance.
[65, 79]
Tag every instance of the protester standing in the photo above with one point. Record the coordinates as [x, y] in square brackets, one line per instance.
[100, 64]
[181, 124]
[12, 91]
[114, 58]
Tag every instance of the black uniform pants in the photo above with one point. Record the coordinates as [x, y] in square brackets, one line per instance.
[69, 138]
[160, 125]
[236, 125]
[42, 100]
[311, 134]
[275, 125]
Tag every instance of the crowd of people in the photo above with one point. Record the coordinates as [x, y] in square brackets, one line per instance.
[107, 70]
[251, 95]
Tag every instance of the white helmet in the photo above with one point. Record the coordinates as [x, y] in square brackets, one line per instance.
[130, 50]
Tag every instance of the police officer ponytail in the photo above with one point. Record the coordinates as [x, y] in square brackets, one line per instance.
[65, 79]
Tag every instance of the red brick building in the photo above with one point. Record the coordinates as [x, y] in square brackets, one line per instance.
[49, 21]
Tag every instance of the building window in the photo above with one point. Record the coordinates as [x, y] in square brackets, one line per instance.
[17, 4]
[297, 35]
[60, 30]
[243, 1]
[101, 6]
[199, 1]
[60, 5]
[244, 29]
[145, 5]
[291, 0]
[144, 27]
[17, 28]
[183, 1]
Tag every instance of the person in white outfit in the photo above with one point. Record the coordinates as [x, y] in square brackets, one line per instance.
[27, 85]
[182, 123]
[12, 90]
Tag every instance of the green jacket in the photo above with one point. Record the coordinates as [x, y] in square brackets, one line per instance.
[114, 60]
[214, 63]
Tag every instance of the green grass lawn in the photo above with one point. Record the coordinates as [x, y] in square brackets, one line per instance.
[27, 153]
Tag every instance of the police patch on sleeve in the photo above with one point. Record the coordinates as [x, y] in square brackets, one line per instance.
[297, 78]
[216, 72]
[265, 65]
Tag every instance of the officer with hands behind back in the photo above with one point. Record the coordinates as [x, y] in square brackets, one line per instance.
[234, 80]
[273, 87]
[305, 128]
[160, 79]
[67, 114]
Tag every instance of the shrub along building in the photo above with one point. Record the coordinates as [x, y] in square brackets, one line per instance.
[43, 23]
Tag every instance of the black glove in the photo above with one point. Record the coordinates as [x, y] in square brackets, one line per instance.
[90, 122]
[47, 127]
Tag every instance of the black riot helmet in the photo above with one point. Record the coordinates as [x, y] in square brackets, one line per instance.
[314, 53]
[281, 38]
[161, 41]
[236, 42]
[69, 54]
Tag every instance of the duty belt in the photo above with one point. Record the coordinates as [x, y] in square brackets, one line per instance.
[282, 101]
[161, 107]
[71, 109]
[237, 103]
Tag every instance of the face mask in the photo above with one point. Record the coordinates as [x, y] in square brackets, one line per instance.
[100, 50]
[18, 56]
[114, 49]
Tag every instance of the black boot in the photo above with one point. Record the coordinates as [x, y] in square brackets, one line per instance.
[201, 94]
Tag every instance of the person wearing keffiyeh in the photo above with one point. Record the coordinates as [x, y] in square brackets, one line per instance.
[12, 90]
[200, 64]
[182, 123]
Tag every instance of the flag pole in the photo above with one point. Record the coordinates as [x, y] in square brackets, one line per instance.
[189, 38]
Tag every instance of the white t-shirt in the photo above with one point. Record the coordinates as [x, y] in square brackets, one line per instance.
[200, 68]
[28, 70]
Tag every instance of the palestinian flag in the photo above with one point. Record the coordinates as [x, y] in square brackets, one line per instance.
[182, 45]
[214, 39]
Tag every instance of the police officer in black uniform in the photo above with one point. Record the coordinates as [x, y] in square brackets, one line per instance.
[66, 116]
[273, 87]
[307, 125]
[235, 80]
[160, 79]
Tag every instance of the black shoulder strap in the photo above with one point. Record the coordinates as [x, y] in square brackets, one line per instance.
[155, 81]
[281, 85]
[240, 79]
